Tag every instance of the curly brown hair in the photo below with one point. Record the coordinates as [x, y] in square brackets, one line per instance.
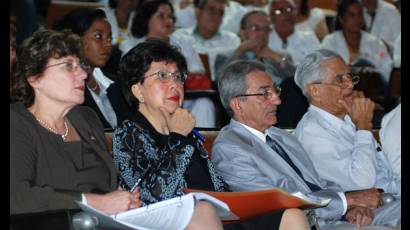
[33, 56]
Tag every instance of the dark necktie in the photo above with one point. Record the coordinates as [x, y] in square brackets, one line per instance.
[278, 149]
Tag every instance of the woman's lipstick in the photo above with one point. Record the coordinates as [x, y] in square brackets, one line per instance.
[174, 98]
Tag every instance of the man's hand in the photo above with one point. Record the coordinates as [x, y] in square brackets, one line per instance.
[369, 198]
[361, 111]
[181, 121]
[360, 216]
[247, 45]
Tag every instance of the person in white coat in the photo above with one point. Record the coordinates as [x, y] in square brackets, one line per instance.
[336, 131]
[383, 20]
[390, 139]
[285, 38]
[354, 44]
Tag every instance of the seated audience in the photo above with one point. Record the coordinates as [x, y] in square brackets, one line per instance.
[357, 47]
[252, 155]
[336, 131]
[158, 146]
[382, 20]
[254, 34]
[285, 38]
[208, 37]
[58, 151]
[186, 17]
[310, 19]
[120, 14]
[155, 19]
[390, 139]
[103, 94]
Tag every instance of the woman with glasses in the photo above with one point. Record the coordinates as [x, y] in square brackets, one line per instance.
[58, 151]
[158, 150]
[102, 92]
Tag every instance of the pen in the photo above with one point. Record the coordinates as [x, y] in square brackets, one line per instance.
[135, 185]
[198, 135]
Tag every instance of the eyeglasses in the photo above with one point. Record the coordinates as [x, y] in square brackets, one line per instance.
[256, 28]
[280, 11]
[267, 94]
[215, 11]
[72, 67]
[343, 80]
[166, 77]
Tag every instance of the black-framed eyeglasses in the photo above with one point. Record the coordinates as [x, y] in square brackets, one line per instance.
[165, 76]
[343, 80]
[257, 28]
[280, 11]
[267, 94]
[72, 66]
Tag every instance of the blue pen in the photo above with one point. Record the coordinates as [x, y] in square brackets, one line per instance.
[197, 134]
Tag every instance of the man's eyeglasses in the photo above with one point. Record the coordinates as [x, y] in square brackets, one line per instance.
[256, 28]
[267, 94]
[343, 80]
[166, 77]
[72, 67]
[280, 11]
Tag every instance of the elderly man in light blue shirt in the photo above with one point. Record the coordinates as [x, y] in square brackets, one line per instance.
[336, 130]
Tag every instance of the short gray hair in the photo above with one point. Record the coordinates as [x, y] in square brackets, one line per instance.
[310, 69]
[232, 80]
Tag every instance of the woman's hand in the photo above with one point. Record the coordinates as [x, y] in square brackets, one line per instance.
[114, 202]
[181, 121]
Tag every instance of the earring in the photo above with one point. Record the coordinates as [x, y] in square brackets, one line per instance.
[141, 100]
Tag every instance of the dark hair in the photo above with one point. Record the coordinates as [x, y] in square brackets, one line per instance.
[144, 13]
[112, 3]
[33, 57]
[137, 62]
[79, 20]
[202, 3]
[342, 7]
[249, 14]
[304, 7]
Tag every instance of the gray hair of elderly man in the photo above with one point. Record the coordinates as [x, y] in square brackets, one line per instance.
[232, 80]
[310, 70]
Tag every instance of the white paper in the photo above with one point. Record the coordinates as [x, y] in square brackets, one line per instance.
[317, 201]
[172, 214]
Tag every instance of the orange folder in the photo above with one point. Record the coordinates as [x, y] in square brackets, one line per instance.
[254, 203]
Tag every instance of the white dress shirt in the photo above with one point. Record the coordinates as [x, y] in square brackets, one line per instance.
[222, 41]
[387, 21]
[371, 49]
[342, 154]
[101, 99]
[298, 45]
[390, 138]
[118, 35]
[262, 136]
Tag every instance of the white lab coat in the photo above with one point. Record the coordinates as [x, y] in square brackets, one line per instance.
[387, 22]
[371, 49]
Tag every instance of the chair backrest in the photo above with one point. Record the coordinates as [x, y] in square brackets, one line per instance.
[58, 9]
[210, 137]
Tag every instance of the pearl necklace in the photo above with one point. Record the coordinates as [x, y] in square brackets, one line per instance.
[64, 136]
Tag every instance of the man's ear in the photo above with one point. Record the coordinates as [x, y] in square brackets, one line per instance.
[242, 34]
[197, 12]
[234, 104]
[136, 90]
[313, 92]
